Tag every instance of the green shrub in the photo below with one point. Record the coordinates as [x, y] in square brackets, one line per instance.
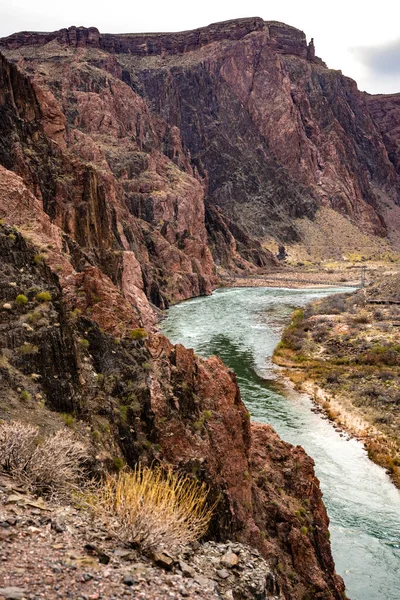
[32, 317]
[39, 259]
[43, 297]
[96, 435]
[84, 343]
[25, 395]
[27, 349]
[123, 411]
[138, 334]
[68, 419]
[21, 300]
[118, 463]
[205, 416]
[76, 313]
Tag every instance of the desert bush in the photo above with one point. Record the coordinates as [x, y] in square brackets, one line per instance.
[21, 300]
[152, 507]
[68, 419]
[362, 318]
[43, 296]
[138, 334]
[331, 305]
[28, 349]
[33, 317]
[84, 343]
[50, 467]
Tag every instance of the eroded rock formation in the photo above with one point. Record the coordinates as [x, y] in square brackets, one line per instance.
[244, 107]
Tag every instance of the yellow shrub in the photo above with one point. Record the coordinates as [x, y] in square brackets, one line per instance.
[153, 508]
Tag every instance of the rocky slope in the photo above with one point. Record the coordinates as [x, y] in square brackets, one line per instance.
[134, 399]
[55, 552]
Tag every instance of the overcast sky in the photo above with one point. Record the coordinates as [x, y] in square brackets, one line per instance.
[359, 37]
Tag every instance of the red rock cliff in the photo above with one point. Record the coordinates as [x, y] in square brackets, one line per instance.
[244, 106]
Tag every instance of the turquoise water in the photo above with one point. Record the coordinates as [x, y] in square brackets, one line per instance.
[243, 326]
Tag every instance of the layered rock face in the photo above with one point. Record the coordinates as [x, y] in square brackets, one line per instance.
[243, 107]
[385, 110]
[145, 228]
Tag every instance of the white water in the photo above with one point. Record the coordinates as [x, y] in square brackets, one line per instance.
[243, 326]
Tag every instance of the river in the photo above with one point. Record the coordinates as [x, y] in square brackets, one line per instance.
[243, 326]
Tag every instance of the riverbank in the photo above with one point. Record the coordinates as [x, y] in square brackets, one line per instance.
[298, 278]
[345, 354]
[315, 275]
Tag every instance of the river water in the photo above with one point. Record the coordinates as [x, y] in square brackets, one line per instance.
[243, 326]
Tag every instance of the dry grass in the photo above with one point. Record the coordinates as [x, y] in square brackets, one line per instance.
[153, 508]
[51, 467]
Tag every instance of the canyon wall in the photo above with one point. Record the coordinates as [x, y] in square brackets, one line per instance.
[243, 107]
[385, 110]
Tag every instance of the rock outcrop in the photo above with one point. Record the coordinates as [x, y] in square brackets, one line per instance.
[385, 110]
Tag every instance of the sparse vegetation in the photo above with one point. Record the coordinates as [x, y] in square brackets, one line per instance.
[153, 507]
[200, 423]
[75, 314]
[342, 344]
[33, 317]
[84, 343]
[50, 467]
[21, 300]
[68, 419]
[138, 334]
[27, 349]
[118, 463]
[39, 259]
[43, 296]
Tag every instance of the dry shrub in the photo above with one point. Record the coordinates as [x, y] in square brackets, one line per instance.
[51, 467]
[362, 318]
[153, 507]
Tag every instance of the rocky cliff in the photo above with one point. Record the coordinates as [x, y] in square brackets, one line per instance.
[244, 107]
[385, 110]
[131, 398]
